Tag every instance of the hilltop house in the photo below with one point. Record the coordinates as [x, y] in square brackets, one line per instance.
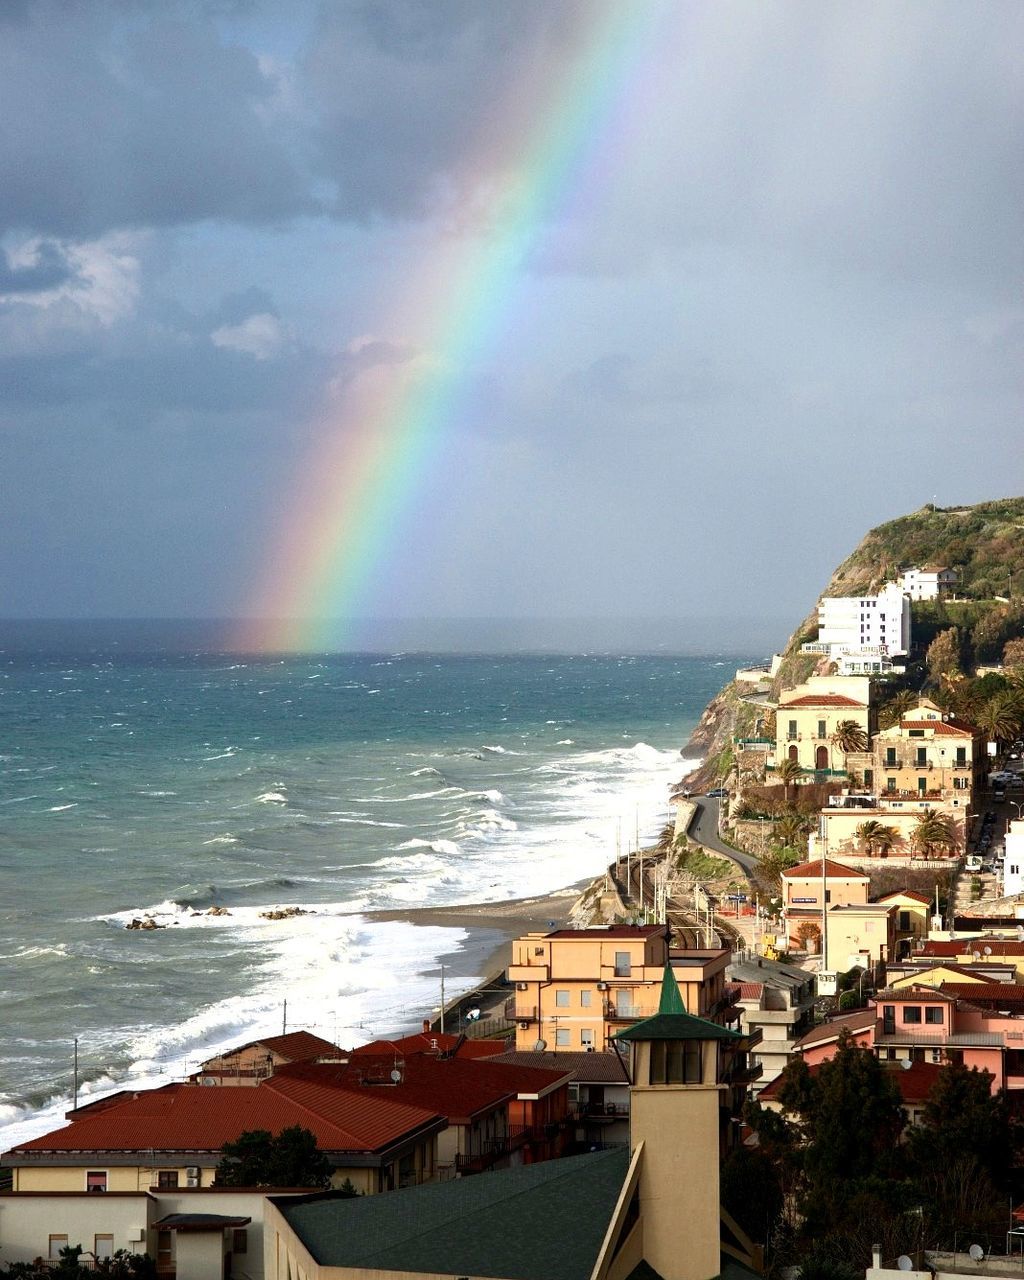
[929, 582]
[862, 634]
[807, 719]
[929, 754]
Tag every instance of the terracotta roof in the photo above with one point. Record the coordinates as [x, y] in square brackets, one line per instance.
[822, 700]
[965, 946]
[1000, 995]
[942, 728]
[813, 868]
[747, 990]
[859, 1020]
[915, 1081]
[588, 1068]
[191, 1118]
[295, 1046]
[432, 1042]
[918, 992]
[906, 893]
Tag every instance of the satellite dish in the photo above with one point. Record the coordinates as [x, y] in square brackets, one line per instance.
[905, 1064]
[976, 1252]
[904, 1263]
[396, 1076]
[976, 954]
[988, 951]
[540, 1046]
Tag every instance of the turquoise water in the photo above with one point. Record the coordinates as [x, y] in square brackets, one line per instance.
[166, 784]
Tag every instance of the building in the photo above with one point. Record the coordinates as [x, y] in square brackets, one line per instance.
[929, 582]
[651, 1209]
[808, 716]
[850, 624]
[929, 754]
[574, 988]
[821, 1042]
[598, 1091]
[250, 1063]
[193, 1234]
[776, 1000]
[915, 1083]
[839, 825]
[1013, 867]
[913, 918]
[173, 1137]
[810, 887]
[859, 935]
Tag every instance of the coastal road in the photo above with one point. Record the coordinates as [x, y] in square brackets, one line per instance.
[704, 829]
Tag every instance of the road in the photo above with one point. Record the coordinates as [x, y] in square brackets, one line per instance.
[704, 829]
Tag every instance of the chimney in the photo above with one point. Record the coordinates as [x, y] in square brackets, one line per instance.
[426, 1026]
[876, 1257]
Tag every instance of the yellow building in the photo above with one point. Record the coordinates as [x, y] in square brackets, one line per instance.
[809, 715]
[574, 988]
[913, 917]
[929, 754]
[859, 934]
[839, 826]
[810, 887]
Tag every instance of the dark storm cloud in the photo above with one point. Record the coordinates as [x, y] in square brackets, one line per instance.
[125, 118]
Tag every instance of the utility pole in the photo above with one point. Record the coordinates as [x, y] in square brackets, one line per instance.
[284, 1018]
[442, 999]
[75, 1094]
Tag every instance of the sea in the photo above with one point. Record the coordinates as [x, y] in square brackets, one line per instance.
[158, 785]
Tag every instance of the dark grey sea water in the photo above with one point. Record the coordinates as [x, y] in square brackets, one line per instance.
[165, 783]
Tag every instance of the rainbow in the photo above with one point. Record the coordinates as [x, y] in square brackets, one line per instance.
[379, 436]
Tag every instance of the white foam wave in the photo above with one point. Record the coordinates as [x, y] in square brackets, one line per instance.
[223, 755]
[228, 839]
[271, 797]
[448, 847]
[59, 808]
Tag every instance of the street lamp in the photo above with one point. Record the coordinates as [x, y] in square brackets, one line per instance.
[1018, 805]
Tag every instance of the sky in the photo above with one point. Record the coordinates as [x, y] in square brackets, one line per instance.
[766, 295]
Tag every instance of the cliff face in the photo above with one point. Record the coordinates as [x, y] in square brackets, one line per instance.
[985, 543]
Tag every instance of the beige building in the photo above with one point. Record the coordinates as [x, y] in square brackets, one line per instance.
[859, 934]
[808, 716]
[929, 754]
[813, 886]
[838, 826]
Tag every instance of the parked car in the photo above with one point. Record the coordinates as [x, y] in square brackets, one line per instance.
[719, 793]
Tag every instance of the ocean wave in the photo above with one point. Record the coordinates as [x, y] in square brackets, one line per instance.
[226, 839]
[363, 822]
[486, 823]
[448, 847]
[224, 755]
[565, 742]
[271, 797]
[59, 808]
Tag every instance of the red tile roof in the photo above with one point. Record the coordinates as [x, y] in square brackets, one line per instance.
[747, 990]
[859, 1020]
[906, 893]
[965, 946]
[294, 1046]
[191, 1118]
[998, 995]
[943, 728]
[915, 1081]
[432, 1042]
[917, 992]
[822, 700]
[813, 868]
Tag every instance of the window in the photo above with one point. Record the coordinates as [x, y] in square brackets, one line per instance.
[585, 998]
[960, 784]
[166, 1179]
[904, 924]
[911, 1013]
[586, 1038]
[791, 732]
[562, 999]
[96, 1180]
[869, 777]
[890, 784]
[164, 1249]
[56, 1244]
[934, 1016]
[103, 1246]
[922, 756]
[623, 964]
[961, 757]
[922, 785]
[676, 1062]
[538, 951]
[890, 757]
[822, 729]
[915, 733]
[239, 1240]
[563, 1037]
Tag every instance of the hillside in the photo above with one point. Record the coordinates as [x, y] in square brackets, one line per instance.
[984, 542]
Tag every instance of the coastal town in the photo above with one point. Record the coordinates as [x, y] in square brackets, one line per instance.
[790, 1034]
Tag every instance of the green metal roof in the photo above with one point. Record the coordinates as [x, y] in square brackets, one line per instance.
[536, 1220]
[672, 1022]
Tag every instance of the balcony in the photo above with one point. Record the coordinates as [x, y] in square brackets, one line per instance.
[620, 1012]
[587, 1111]
[521, 1013]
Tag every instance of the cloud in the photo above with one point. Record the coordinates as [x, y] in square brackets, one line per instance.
[39, 266]
[261, 336]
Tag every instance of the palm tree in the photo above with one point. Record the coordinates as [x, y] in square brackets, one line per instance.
[999, 718]
[896, 708]
[849, 736]
[789, 828]
[933, 831]
[876, 837]
[787, 773]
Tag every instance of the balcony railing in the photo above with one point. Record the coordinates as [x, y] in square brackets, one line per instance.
[601, 1111]
[620, 1012]
[520, 1013]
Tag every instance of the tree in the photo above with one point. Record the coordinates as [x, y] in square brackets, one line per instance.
[788, 829]
[893, 711]
[788, 772]
[1013, 653]
[999, 718]
[849, 736]
[876, 837]
[933, 831]
[257, 1159]
[943, 654]
[808, 934]
[963, 1117]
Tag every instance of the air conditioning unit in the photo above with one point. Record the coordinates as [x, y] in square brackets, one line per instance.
[602, 986]
[522, 986]
[136, 1235]
[192, 1176]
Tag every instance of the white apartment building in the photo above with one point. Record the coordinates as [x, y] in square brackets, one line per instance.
[860, 625]
[929, 582]
[1013, 867]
